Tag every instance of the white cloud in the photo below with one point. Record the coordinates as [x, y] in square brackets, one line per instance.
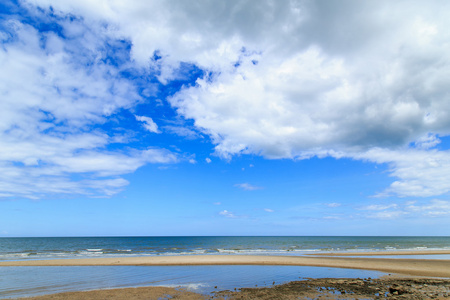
[433, 208]
[54, 93]
[332, 218]
[387, 215]
[227, 214]
[247, 186]
[148, 124]
[287, 79]
[379, 207]
[334, 204]
[428, 141]
[182, 131]
[420, 173]
[268, 210]
[208, 160]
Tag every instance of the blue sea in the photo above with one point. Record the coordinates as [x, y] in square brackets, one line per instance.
[30, 281]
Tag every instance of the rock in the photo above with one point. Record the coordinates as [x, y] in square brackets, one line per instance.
[396, 290]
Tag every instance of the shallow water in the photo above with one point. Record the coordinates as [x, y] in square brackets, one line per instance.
[33, 281]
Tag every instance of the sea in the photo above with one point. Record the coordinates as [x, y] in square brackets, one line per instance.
[32, 281]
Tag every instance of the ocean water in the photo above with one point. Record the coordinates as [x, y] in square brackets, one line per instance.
[79, 247]
[31, 281]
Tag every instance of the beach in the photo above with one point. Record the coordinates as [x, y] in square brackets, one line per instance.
[407, 278]
[223, 267]
[415, 267]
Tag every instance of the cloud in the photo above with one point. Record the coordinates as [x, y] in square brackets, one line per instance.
[419, 173]
[268, 210]
[57, 92]
[182, 131]
[208, 160]
[247, 187]
[333, 204]
[290, 79]
[433, 208]
[379, 207]
[227, 214]
[387, 215]
[148, 124]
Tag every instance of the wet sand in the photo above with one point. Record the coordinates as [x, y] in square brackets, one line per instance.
[416, 267]
[384, 253]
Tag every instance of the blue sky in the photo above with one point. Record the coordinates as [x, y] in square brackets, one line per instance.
[224, 118]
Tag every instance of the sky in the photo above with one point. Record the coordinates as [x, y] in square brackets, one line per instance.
[204, 117]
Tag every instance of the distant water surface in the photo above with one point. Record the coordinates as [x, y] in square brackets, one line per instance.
[78, 247]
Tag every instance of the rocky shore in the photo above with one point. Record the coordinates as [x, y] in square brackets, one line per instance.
[350, 288]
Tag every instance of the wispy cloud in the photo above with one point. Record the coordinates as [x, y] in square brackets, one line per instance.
[182, 131]
[148, 124]
[432, 208]
[247, 187]
[228, 214]
[379, 207]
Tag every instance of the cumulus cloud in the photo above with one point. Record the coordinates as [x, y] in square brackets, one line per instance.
[288, 79]
[56, 94]
[419, 172]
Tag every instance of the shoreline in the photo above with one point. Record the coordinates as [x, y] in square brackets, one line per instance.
[323, 288]
[411, 267]
[384, 253]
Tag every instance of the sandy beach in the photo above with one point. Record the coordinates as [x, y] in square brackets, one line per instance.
[415, 267]
[385, 253]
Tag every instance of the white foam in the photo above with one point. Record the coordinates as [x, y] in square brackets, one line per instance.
[188, 286]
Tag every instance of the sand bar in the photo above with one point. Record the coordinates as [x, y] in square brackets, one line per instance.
[384, 253]
[417, 267]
